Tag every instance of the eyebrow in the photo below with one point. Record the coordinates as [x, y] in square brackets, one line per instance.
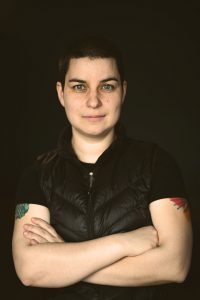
[77, 80]
[110, 79]
[104, 80]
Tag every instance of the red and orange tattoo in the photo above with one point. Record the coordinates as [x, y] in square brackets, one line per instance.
[181, 203]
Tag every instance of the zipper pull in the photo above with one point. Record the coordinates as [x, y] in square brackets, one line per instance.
[91, 174]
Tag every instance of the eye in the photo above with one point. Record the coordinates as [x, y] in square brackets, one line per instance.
[79, 87]
[107, 87]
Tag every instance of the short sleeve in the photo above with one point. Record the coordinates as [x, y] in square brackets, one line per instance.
[167, 181]
[28, 188]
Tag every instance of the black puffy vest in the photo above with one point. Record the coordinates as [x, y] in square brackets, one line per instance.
[113, 198]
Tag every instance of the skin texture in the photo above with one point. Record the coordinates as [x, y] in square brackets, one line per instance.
[95, 95]
[146, 256]
[92, 87]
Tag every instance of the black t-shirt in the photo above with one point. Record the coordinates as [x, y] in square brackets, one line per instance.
[166, 181]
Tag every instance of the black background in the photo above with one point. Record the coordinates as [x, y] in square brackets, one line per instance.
[160, 43]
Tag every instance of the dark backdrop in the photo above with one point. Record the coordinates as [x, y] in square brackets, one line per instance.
[160, 43]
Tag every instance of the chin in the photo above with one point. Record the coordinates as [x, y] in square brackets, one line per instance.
[95, 132]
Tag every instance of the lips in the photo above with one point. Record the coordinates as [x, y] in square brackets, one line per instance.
[94, 118]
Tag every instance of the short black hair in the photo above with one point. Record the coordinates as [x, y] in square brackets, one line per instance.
[92, 47]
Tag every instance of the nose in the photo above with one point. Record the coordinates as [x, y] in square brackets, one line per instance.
[93, 99]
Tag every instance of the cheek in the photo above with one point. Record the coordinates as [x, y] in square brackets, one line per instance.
[116, 104]
[73, 110]
[72, 104]
[114, 100]
[117, 108]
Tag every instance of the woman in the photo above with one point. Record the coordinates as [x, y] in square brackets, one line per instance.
[102, 216]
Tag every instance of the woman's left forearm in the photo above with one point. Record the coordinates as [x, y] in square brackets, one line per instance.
[154, 267]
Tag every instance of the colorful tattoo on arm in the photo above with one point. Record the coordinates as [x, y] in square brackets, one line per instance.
[181, 203]
[21, 210]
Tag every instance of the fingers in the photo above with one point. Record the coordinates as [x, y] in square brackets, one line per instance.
[54, 237]
[43, 224]
[41, 231]
[32, 231]
[34, 238]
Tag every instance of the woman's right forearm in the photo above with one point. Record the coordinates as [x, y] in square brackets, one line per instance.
[63, 264]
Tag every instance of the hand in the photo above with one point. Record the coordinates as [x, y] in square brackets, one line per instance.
[41, 232]
[140, 240]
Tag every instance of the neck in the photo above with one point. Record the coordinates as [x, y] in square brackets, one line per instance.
[88, 149]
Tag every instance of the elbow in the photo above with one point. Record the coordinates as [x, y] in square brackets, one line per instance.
[180, 272]
[181, 275]
[28, 269]
[179, 278]
[23, 267]
[177, 265]
[26, 274]
[28, 278]
[25, 280]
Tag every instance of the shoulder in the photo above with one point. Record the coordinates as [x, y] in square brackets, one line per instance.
[46, 157]
[149, 148]
[46, 160]
[142, 148]
[149, 154]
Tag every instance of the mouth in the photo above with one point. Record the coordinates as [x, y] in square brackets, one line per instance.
[94, 117]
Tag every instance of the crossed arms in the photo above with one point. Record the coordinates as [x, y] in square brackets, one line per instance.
[146, 256]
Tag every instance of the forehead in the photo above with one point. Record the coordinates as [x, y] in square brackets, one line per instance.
[86, 67]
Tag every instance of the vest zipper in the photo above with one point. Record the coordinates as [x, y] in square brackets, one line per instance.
[90, 207]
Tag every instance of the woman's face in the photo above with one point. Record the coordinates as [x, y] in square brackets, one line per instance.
[92, 95]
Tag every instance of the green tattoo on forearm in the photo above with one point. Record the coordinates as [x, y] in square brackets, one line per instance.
[21, 210]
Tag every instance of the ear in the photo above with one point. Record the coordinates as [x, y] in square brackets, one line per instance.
[124, 88]
[59, 89]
